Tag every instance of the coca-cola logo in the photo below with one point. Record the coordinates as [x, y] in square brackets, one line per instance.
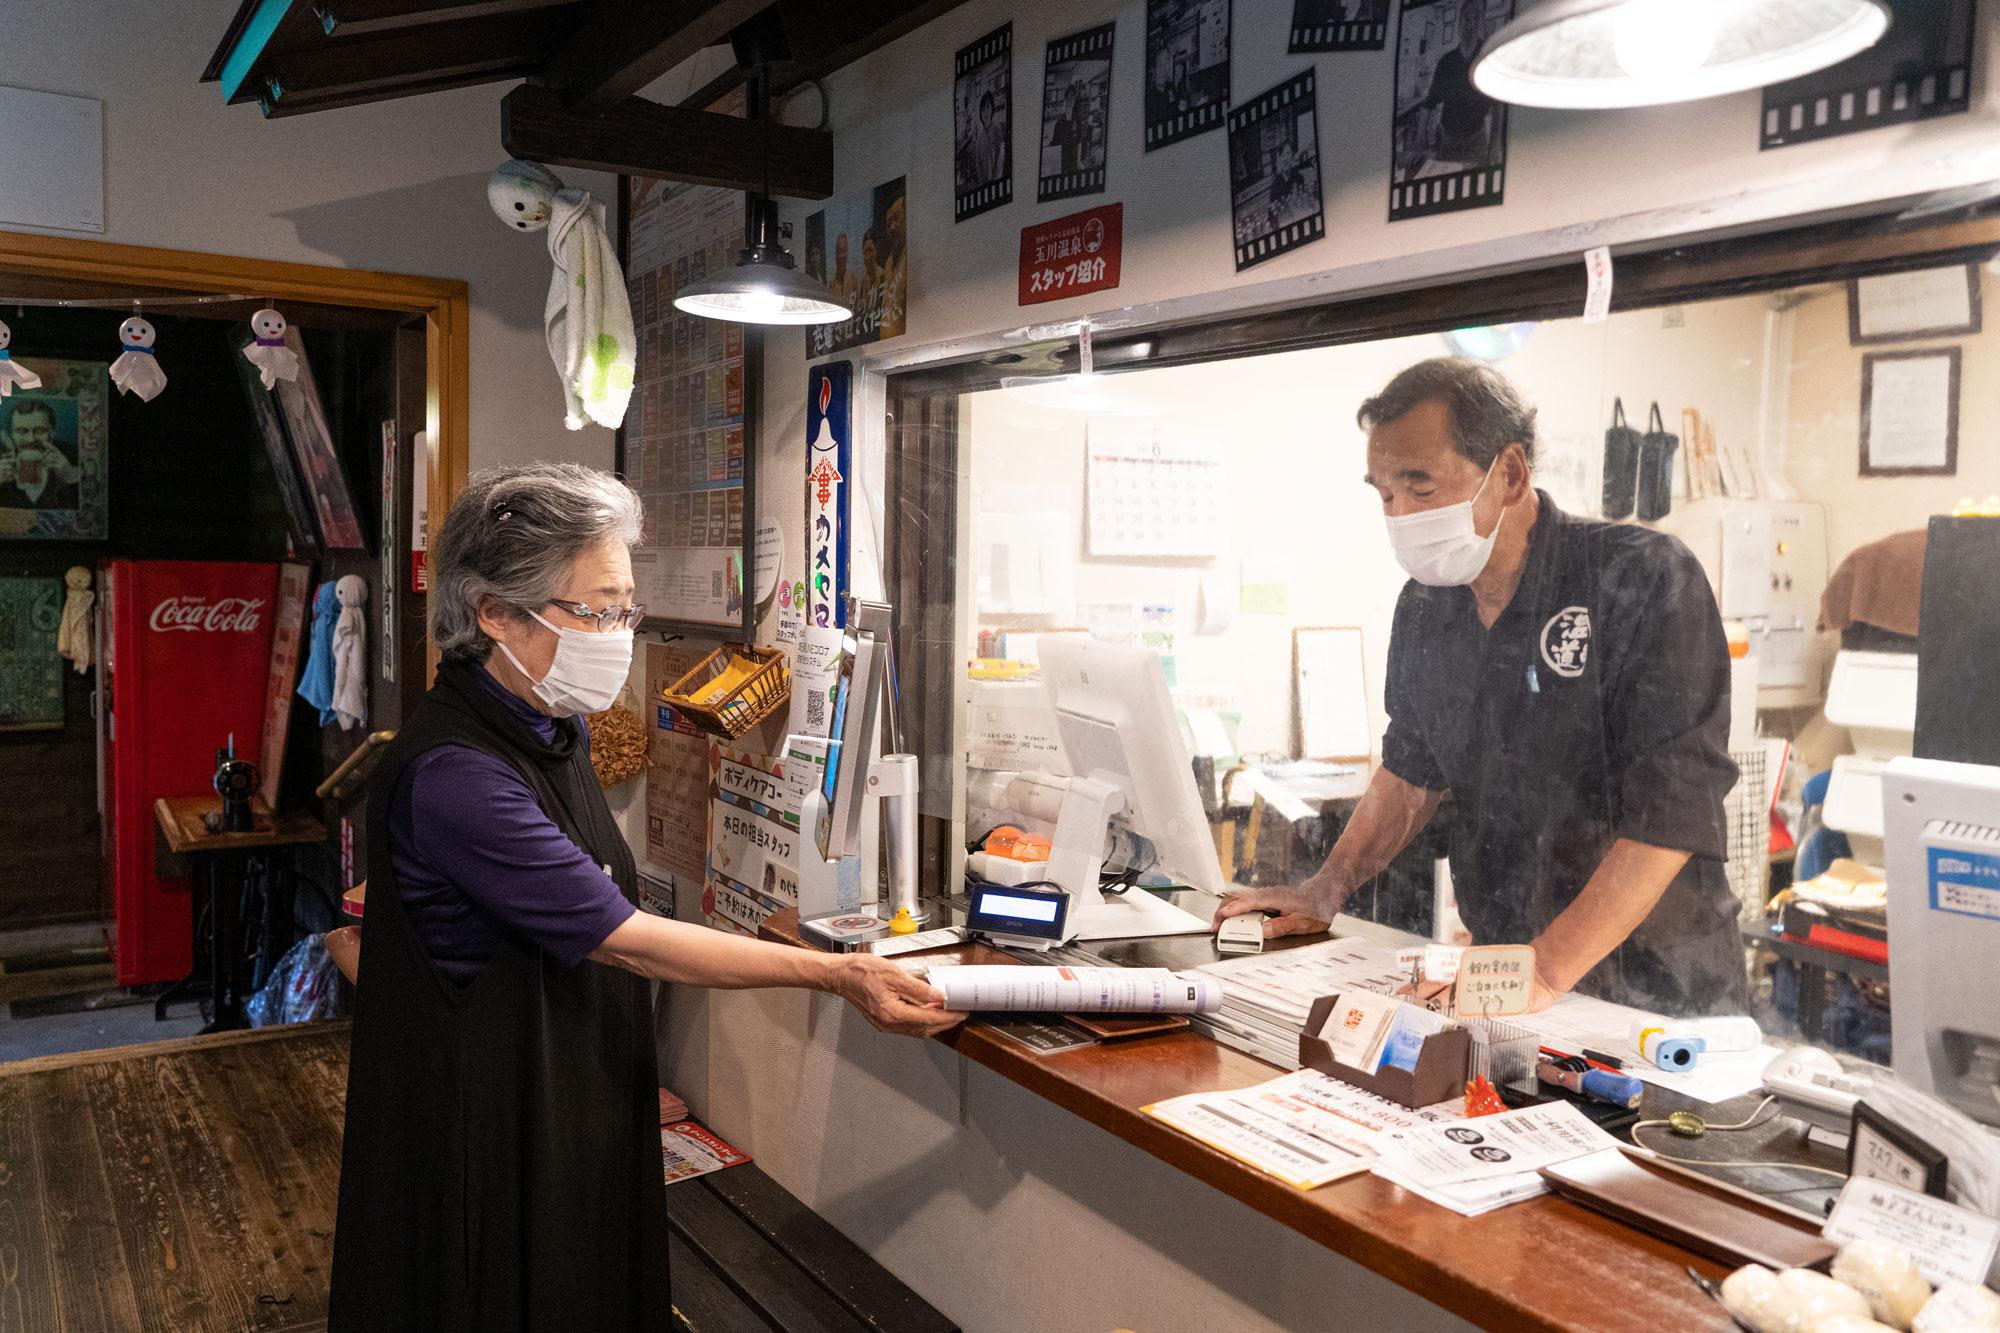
[228, 615]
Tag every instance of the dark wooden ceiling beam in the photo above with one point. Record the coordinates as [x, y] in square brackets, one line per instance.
[358, 18]
[643, 138]
[625, 44]
[824, 37]
[508, 46]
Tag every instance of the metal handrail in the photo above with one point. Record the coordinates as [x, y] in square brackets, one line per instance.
[334, 787]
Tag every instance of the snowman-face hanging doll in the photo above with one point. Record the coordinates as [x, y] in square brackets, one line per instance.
[12, 374]
[274, 360]
[137, 370]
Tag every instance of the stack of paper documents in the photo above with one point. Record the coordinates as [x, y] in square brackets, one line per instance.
[1474, 1166]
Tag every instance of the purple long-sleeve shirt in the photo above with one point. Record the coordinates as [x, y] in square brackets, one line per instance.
[474, 856]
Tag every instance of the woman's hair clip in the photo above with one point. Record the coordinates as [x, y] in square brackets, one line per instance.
[502, 512]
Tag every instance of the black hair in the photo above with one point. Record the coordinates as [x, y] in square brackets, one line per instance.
[1487, 412]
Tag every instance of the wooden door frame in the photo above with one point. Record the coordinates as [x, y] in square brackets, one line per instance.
[444, 303]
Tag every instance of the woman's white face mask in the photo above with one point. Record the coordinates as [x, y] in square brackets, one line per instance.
[1441, 547]
[587, 673]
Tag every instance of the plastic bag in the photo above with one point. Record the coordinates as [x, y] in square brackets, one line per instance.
[303, 987]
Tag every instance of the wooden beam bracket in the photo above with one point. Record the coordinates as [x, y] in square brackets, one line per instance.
[642, 138]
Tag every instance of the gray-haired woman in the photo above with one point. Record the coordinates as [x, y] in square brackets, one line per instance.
[501, 1169]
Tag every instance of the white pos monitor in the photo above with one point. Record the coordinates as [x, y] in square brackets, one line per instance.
[1118, 729]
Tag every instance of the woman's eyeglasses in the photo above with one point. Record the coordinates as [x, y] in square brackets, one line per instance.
[609, 619]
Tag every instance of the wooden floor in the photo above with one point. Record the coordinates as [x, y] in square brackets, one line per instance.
[177, 1187]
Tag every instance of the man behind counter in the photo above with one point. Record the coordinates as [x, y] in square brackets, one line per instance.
[1567, 682]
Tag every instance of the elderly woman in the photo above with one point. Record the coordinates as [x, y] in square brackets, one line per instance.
[501, 1169]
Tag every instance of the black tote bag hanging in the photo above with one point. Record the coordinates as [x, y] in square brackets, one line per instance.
[1656, 469]
[1621, 463]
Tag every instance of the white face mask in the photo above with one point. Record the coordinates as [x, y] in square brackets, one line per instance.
[1441, 547]
[588, 671]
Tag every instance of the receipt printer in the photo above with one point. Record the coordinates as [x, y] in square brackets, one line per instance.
[1941, 825]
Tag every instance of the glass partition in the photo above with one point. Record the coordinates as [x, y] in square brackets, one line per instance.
[1618, 682]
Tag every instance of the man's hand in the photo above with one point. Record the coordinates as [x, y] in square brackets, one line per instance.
[1296, 909]
[1541, 994]
[892, 999]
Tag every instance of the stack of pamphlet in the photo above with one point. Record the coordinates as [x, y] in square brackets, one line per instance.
[1265, 998]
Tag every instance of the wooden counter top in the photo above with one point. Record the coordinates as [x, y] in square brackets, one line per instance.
[1543, 1264]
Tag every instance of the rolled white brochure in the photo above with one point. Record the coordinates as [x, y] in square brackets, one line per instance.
[1077, 990]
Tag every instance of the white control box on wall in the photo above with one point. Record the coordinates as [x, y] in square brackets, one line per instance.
[51, 161]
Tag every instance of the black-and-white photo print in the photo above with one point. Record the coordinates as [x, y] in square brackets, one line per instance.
[983, 123]
[1339, 25]
[1450, 140]
[1187, 68]
[1274, 185]
[1076, 114]
[1921, 68]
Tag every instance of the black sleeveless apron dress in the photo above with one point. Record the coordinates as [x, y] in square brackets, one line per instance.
[501, 1169]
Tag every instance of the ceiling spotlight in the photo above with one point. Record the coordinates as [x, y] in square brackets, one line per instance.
[1619, 53]
[762, 287]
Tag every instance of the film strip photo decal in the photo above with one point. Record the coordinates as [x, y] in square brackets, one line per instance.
[1339, 25]
[1076, 115]
[983, 124]
[1274, 180]
[1921, 68]
[1187, 69]
[1448, 143]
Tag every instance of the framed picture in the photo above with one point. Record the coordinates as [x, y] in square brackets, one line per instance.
[1921, 68]
[1909, 413]
[1076, 114]
[299, 520]
[54, 453]
[1274, 173]
[1339, 25]
[1908, 307]
[317, 457]
[1330, 693]
[1448, 144]
[982, 95]
[1187, 69]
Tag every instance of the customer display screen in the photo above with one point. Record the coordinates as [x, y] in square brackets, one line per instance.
[1013, 905]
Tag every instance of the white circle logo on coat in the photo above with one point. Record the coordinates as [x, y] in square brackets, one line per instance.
[1566, 641]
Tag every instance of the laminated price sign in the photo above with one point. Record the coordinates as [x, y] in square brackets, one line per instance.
[1496, 980]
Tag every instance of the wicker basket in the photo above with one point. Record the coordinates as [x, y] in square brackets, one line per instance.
[761, 694]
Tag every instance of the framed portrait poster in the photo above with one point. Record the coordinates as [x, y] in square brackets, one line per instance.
[1906, 307]
[1449, 140]
[54, 453]
[1187, 69]
[1076, 114]
[1909, 413]
[1274, 183]
[982, 98]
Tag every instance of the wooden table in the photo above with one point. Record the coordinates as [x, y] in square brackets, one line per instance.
[1543, 1264]
[219, 860]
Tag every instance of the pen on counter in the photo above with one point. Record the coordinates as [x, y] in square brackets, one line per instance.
[1609, 1063]
[1580, 1077]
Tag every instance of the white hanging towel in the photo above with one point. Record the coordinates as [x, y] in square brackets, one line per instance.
[350, 653]
[73, 635]
[588, 317]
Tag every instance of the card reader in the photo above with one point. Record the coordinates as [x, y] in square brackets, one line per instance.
[1241, 934]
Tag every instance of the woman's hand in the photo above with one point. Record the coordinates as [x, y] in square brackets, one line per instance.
[1296, 908]
[890, 998]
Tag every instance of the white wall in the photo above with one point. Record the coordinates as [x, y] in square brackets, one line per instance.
[399, 186]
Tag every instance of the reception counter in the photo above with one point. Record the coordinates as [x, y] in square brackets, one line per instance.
[1539, 1265]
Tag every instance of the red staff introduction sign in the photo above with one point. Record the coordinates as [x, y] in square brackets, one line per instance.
[1072, 255]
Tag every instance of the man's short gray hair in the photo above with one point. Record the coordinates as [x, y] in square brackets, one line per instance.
[1487, 412]
[512, 535]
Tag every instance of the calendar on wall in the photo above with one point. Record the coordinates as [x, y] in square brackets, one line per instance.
[1157, 497]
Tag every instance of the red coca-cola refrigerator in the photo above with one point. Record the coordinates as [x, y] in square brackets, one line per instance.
[187, 652]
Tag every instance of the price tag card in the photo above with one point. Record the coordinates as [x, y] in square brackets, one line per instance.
[1949, 1243]
[1495, 980]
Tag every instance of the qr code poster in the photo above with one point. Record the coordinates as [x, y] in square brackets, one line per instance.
[1076, 115]
[1449, 148]
[1187, 69]
[983, 123]
[1274, 185]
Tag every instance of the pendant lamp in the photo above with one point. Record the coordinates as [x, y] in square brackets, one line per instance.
[1619, 53]
[762, 286]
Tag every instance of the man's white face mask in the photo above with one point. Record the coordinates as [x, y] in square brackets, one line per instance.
[1441, 547]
